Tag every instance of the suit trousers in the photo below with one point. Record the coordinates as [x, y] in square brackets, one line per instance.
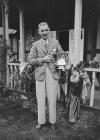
[47, 88]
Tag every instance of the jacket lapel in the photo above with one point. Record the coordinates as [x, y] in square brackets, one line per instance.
[42, 47]
[50, 46]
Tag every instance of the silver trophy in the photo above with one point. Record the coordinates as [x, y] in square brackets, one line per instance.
[62, 58]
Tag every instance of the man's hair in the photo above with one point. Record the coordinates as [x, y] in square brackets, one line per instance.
[43, 24]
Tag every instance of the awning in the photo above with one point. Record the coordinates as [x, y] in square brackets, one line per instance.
[10, 31]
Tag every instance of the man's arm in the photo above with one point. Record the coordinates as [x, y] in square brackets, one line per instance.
[35, 60]
[33, 57]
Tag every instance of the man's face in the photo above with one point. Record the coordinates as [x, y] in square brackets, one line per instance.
[44, 31]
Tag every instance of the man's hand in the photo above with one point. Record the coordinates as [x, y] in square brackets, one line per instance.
[54, 52]
[67, 67]
[47, 58]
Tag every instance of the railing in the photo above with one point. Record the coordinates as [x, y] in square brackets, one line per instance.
[93, 70]
[13, 76]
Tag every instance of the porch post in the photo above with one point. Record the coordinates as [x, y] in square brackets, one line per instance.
[77, 30]
[22, 41]
[7, 41]
[5, 25]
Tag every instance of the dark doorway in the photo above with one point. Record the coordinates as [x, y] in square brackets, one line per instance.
[63, 37]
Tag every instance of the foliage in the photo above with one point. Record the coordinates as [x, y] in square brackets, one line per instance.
[2, 42]
[26, 81]
[27, 78]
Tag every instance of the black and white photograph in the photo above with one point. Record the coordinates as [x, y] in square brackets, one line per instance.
[49, 70]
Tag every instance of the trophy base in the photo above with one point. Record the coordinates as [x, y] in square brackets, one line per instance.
[61, 68]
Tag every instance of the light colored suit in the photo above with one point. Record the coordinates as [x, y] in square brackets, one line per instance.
[37, 52]
[46, 77]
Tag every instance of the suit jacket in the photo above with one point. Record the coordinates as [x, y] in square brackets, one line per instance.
[37, 52]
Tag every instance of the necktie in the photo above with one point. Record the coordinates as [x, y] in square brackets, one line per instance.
[46, 46]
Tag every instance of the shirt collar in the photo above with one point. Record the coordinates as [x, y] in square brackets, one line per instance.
[45, 41]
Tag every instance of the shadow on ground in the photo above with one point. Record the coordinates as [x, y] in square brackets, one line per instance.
[17, 123]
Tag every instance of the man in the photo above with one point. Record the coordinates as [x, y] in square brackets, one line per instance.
[46, 75]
